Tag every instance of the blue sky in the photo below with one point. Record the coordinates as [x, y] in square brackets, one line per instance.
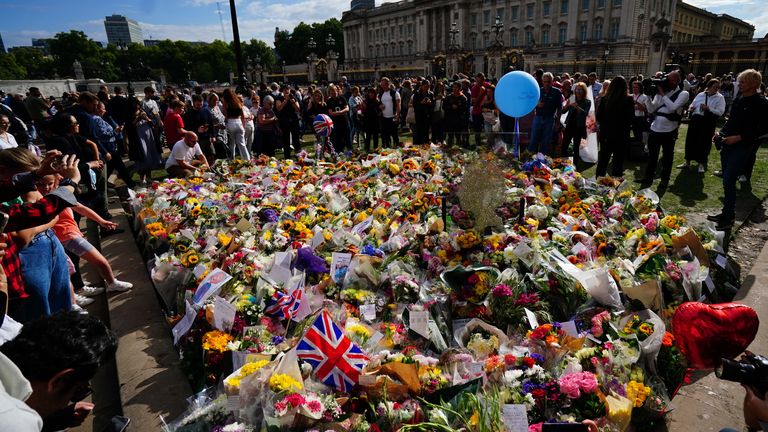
[191, 20]
[198, 19]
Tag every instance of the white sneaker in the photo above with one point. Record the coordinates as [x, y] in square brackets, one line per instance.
[119, 286]
[743, 178]
[82, 300]
[90, 291]
[702, 168]
[78, 309]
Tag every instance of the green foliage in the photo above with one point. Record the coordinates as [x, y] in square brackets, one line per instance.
[293, 47]
[9, 69]
[36, 63]
[75, 45]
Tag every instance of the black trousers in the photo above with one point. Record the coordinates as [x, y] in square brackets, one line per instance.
[660, 142]
[608, 148]
[389, 132]
[290, 133]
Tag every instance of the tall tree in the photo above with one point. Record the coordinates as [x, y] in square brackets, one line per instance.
[259, 49]
[34, 60]
[75, 45]
[9, 69]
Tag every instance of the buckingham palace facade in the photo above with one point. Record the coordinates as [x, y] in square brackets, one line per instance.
[445, 37]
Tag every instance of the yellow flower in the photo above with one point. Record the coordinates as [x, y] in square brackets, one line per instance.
[216, 341]
[280, 383]
[197, 211]
[224, 239]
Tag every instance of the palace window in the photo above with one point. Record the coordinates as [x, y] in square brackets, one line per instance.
[599, 29]
[545, 8]
[563, 7]
[545, 36]
[582, 31]
[615, 29]
[562, 33]
[585, 5]
[515, 12]
[529, 11]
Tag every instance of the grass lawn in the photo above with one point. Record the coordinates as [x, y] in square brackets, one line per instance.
[692, 192]
[689, 192]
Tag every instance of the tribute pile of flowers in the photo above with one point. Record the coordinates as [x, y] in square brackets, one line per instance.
[364, 296]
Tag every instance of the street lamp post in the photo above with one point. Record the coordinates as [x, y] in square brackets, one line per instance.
[453, 45]
[330, 42]
[242, 81]
[312, 45]
[284, 74]
[606, 53]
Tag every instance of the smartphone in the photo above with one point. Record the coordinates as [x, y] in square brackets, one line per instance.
[3, 221]
[563, 427]
[120, 423]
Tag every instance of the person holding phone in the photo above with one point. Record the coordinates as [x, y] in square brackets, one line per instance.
[47, 370]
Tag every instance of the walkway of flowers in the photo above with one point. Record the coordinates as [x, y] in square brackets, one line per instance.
[388, 294]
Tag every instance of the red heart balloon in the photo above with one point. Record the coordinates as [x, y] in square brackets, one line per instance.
[705, 333]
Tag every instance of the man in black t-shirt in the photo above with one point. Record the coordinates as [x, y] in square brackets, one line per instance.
[287, 110]
[338, 110]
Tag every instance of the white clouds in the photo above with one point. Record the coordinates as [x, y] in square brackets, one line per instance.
[711, 4]
[256, 19]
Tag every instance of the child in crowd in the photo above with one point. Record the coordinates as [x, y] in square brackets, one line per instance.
[68, 232]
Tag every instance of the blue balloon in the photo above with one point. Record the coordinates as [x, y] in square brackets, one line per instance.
[517, 94]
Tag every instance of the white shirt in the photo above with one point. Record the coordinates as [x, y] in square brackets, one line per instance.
[181, 151]
[9, 330]
[716, 103]
[641, 99]
[664, 104]
[389, 104]
[15, 415]
[7, 141]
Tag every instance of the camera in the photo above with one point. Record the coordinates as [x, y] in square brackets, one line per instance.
[651, 85]
[751, 370]
[718, 140]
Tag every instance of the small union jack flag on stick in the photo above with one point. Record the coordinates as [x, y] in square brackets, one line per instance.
[335, 360]
[284, 306]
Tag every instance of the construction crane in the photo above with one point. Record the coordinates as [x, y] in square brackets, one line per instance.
[221, 21]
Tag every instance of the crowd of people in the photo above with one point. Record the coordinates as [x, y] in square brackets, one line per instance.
[60, 158]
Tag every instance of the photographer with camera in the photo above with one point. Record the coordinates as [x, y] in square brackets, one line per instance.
[738, 140]
[666, 107]
[751, 371]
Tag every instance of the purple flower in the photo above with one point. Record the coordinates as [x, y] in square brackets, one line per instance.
[268, 215]
[306, 260]
[277, 340]
[538, 357]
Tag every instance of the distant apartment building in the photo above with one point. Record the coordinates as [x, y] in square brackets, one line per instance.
[122, 30]
[43, 45]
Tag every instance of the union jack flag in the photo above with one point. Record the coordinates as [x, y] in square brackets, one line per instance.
[284, 306]
[336, 361]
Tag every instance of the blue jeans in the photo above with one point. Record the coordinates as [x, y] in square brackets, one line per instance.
[734, 159]
[541, 134]
[46, 278]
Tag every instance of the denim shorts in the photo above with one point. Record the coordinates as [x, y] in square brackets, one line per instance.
[78, 246]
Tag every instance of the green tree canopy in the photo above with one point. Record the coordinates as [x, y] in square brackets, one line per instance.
[9, 69]
[75, 45]
[36, 63]
[294, 47]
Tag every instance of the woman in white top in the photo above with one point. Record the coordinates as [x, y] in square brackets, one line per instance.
[640, 127]
[705, 109]
[6, 139]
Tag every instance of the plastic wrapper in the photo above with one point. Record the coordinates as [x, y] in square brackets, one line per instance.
[651, 345]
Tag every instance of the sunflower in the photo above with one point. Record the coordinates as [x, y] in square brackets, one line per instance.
[287, 225]
[197, 211]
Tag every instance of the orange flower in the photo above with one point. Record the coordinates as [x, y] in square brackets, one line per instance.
[668, 339]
